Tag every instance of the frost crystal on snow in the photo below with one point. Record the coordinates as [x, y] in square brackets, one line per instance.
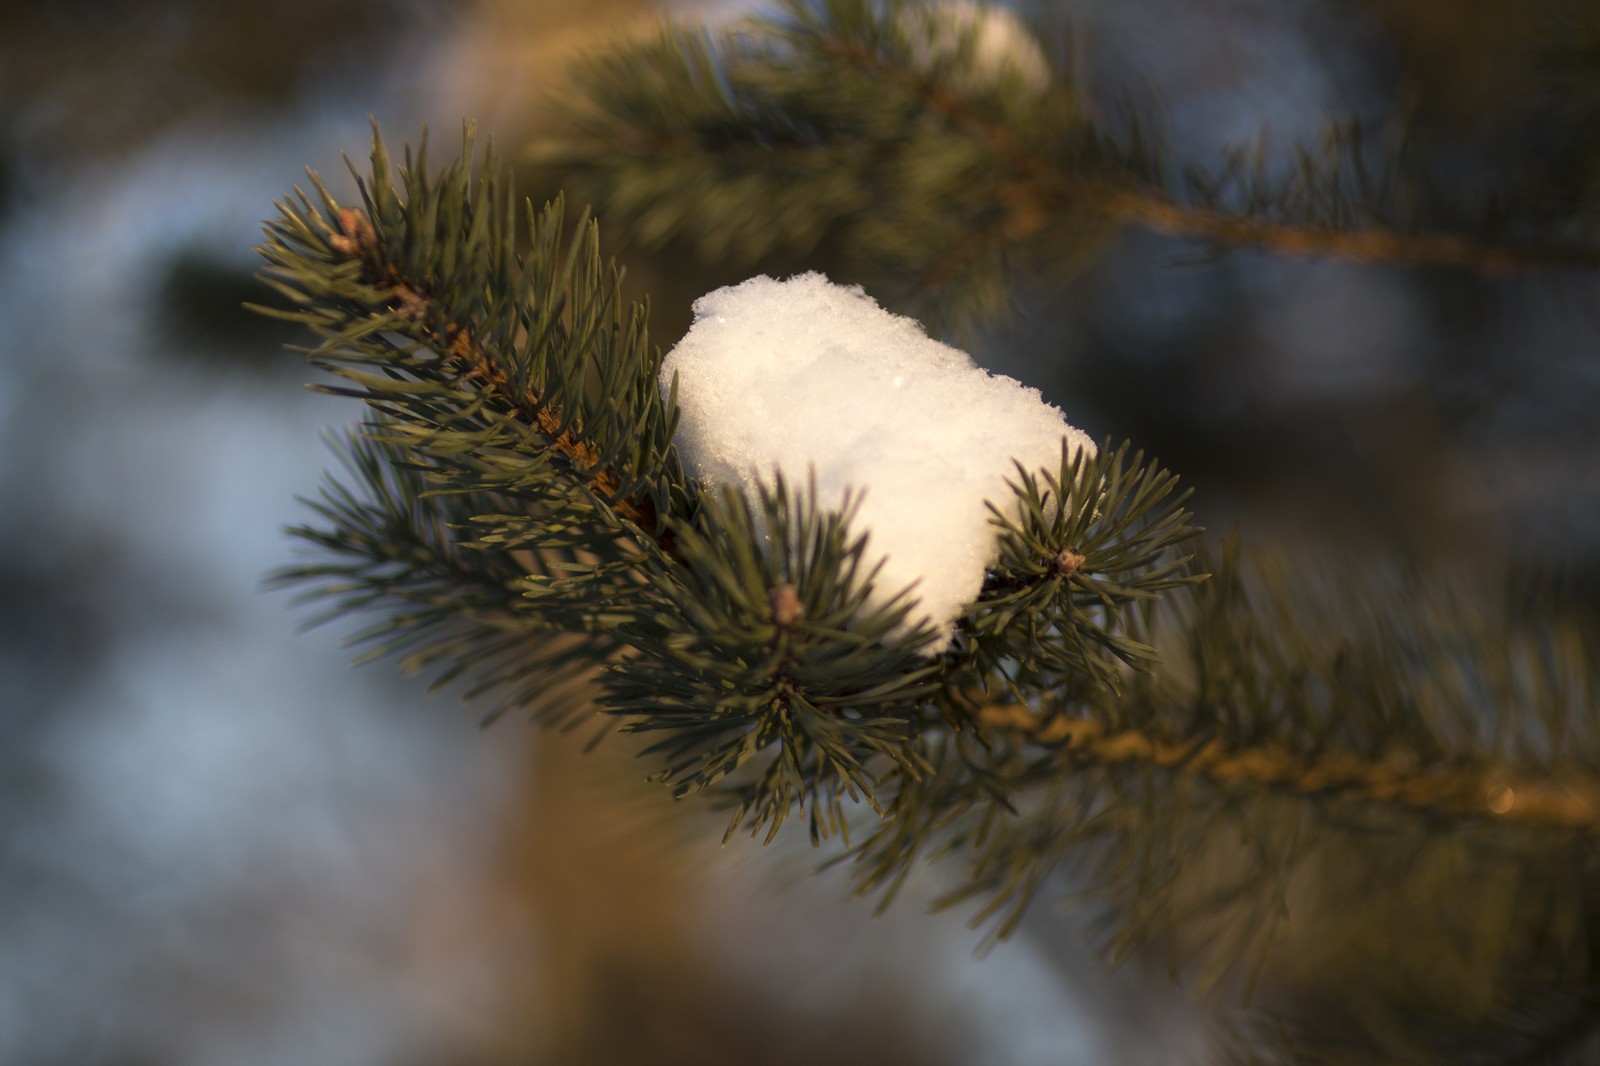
[803, 373]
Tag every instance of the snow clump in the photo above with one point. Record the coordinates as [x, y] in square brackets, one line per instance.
[1002, 52]
[802, 373]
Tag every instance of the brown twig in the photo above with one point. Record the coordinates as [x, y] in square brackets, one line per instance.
[1159, 215]
[1447, 792]
[358, 240]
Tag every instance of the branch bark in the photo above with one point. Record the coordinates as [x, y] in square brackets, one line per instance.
[1375, 246]
[1451, 792]
[358, 240]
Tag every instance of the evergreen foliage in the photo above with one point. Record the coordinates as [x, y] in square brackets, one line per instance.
[942, 175]
[829, 122]
[1381, 785]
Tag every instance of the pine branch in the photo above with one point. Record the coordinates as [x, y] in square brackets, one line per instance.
[1313, 737]
[1042, 189]
[391, 548]
[1197, 747]
[759, 653]
[511, 483]
[1034, 193]
[485, 358]
[1372, 246]
[409, 298]
[828, 122]
[1338, 776]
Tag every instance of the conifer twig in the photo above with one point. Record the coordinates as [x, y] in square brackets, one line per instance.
[1451, 792]
[358, 240]
[1041, 189]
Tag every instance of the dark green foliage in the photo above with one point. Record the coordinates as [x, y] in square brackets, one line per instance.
[397, 549]
[830, 122]
[1316, 778]
[1258, 772]
[444, 328]
[520, 510]
[1095, 539]
[478, 361]
[761, 645]
[944, 176]
[1423, 934]
[521, 448]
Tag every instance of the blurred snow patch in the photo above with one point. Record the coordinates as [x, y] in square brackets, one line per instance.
[225, 845]
[984, 47]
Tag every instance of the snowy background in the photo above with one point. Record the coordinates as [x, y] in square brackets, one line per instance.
[220, 844]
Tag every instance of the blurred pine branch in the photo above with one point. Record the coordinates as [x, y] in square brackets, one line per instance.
[1368, 790]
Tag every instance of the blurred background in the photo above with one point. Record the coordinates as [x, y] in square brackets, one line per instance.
[219, 843]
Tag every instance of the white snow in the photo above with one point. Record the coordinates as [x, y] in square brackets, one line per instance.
[1003, 52]
[803, 373]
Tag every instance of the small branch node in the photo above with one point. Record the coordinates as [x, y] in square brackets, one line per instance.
[356, 234]
[786, 607]
[1069, 561]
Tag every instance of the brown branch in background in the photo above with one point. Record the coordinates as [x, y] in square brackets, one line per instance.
[357, 239]
[1447, 792]
[1159, 215]
[1043, 188]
